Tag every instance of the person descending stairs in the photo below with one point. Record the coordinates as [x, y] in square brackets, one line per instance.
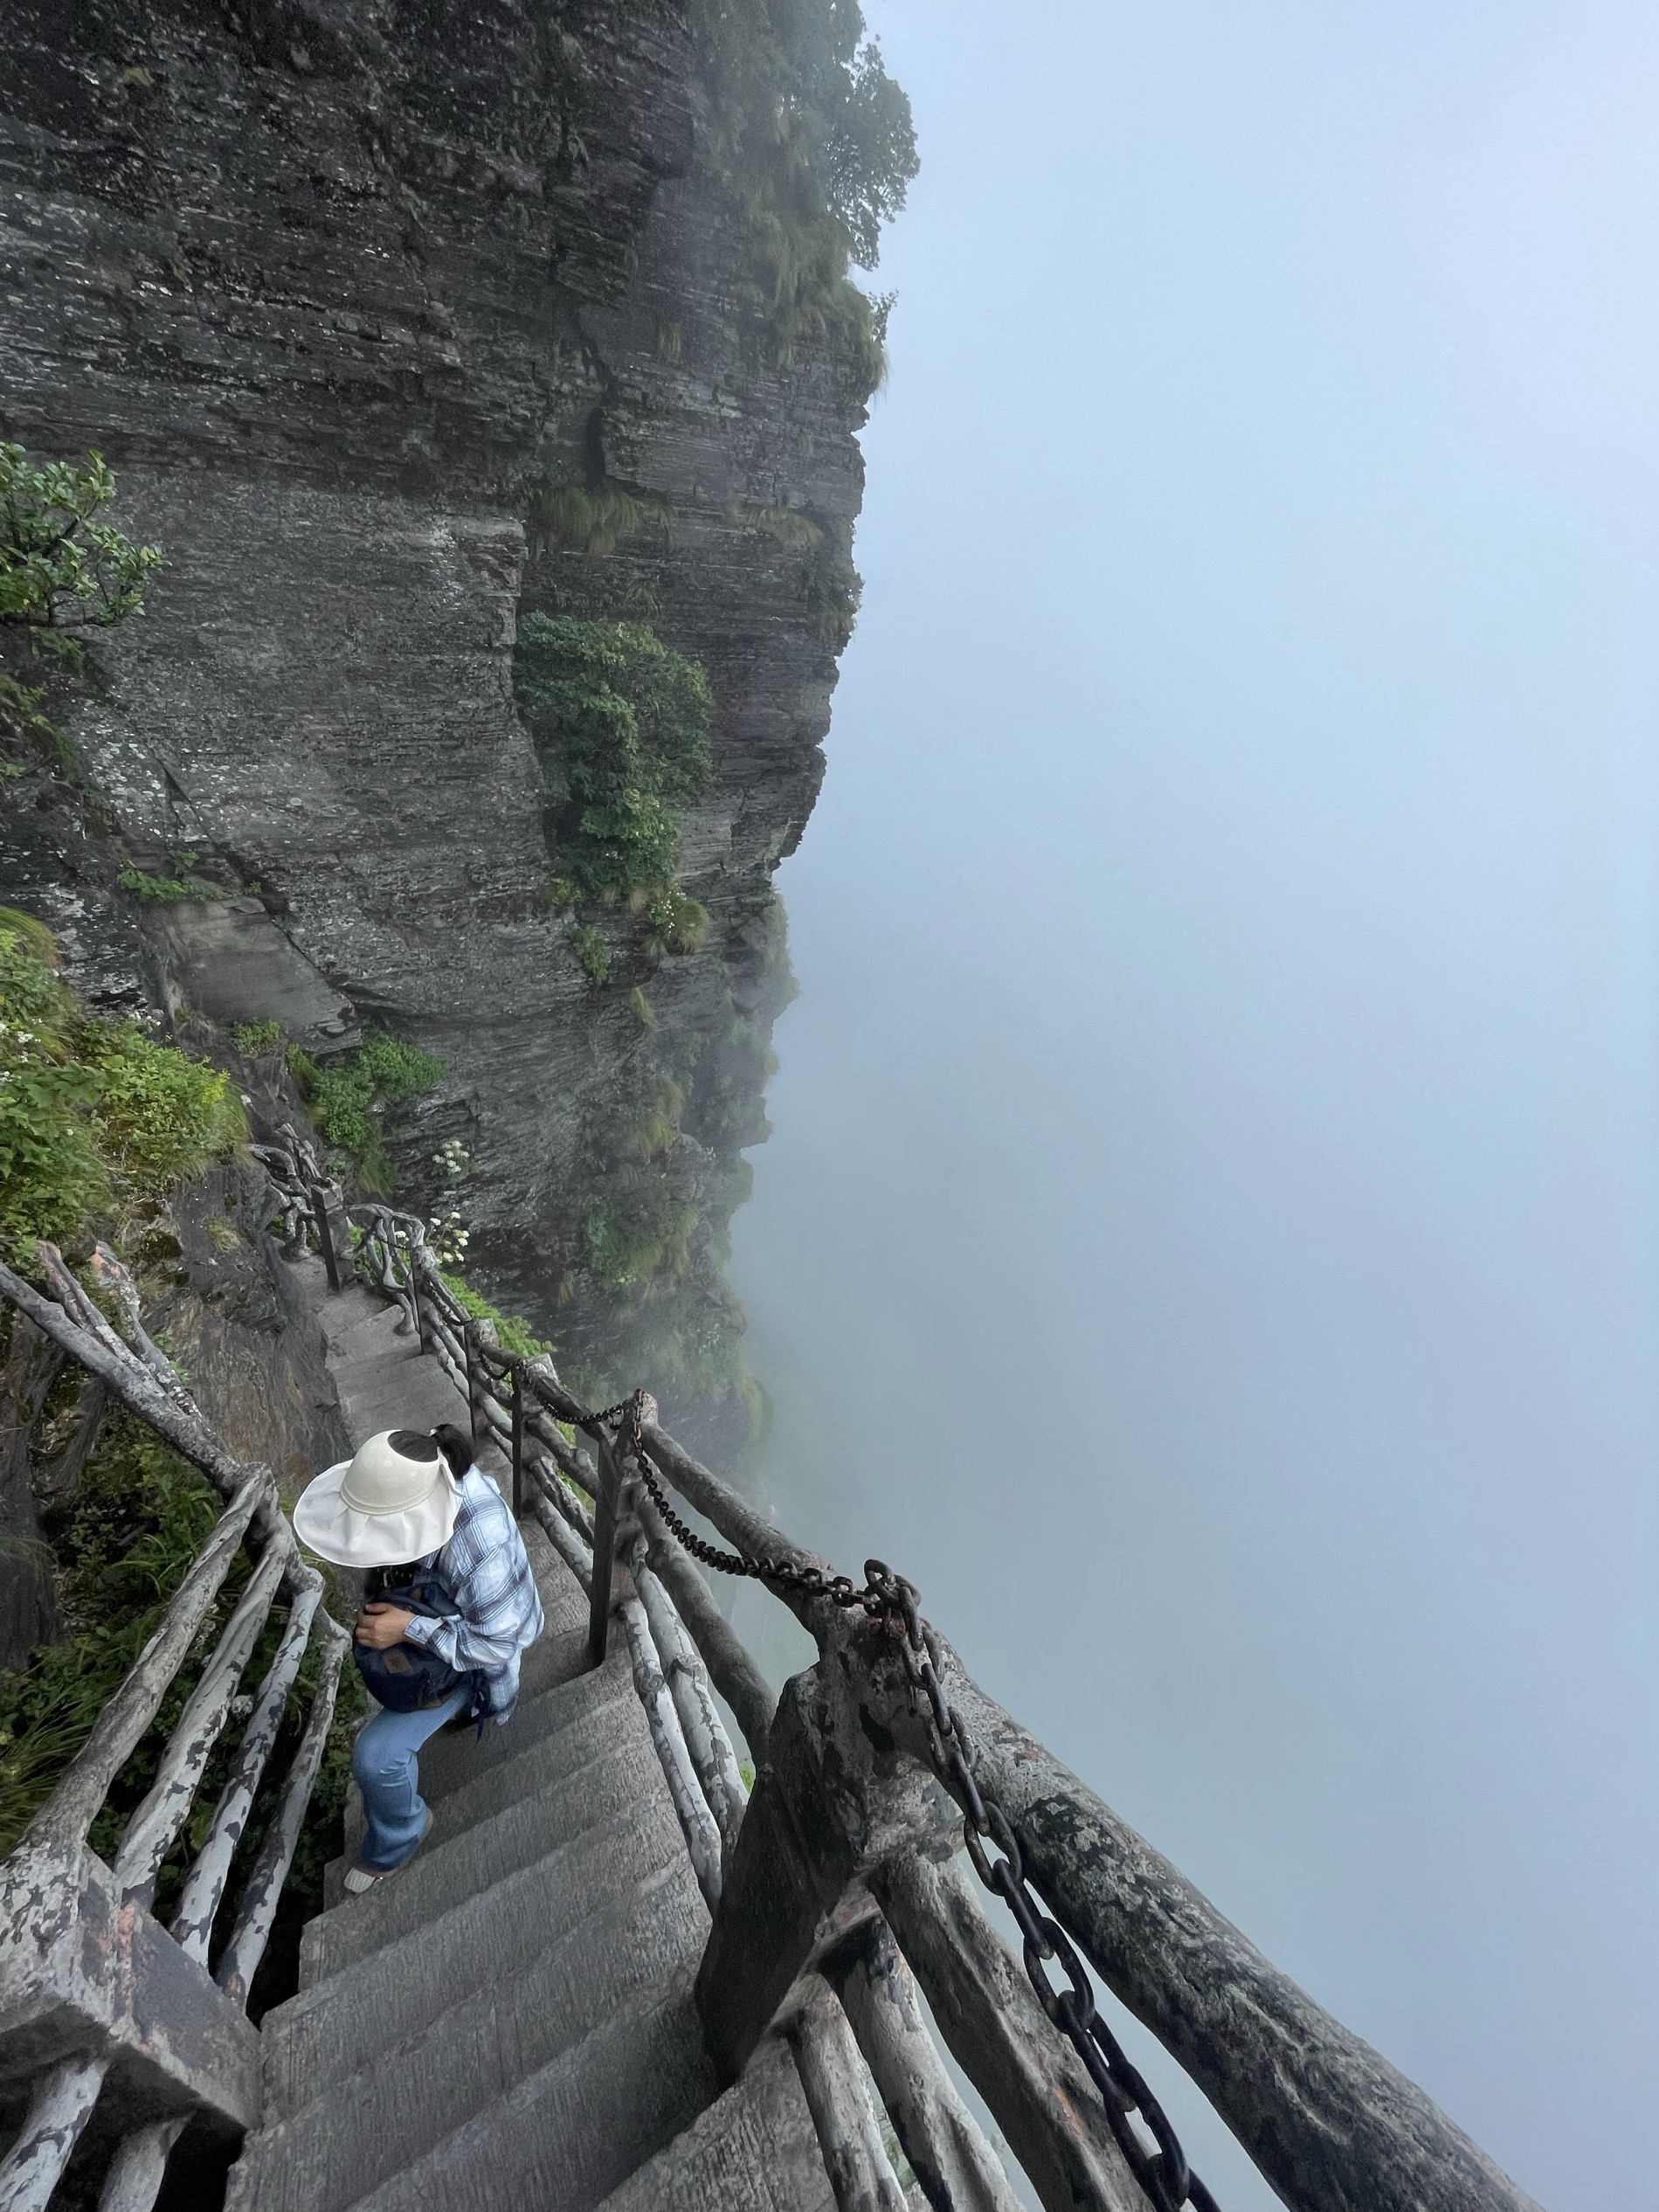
[509, 2023]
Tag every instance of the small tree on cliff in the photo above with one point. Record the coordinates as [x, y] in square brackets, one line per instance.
[60, 569]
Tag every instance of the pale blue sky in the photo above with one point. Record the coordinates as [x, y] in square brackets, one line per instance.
[1209, 1236]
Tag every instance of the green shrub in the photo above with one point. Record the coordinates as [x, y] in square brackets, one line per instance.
[786, 524]
[345, 1097]
[95, 1115]
[160, 1117]
[511, 1334]
[732, 1075]
[141, 1516]
[20, 712]
[165, 890]
[58, 568]
[628, 736]
[592, 954]
[634, 1229]
[673, 923]
[253, 1038]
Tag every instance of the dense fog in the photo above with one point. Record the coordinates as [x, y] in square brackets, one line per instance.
[1208, 1239]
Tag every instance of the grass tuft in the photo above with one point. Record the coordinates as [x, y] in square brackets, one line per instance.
[166, 890]
[97, 1118]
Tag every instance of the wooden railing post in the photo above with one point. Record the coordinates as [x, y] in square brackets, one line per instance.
[957, 2168]
[610, 1575]
[469, 1356]
[325, 1238]
[765, 1927]
[518, 1444]
[838, 2098]
[1035, 2085]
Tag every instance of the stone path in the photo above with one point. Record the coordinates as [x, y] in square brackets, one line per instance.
[507, 2026]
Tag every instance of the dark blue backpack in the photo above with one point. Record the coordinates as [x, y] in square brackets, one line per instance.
[406, 1677]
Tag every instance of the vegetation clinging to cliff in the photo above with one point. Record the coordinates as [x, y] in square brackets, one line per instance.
[58, 568]
[629, 736]
[97, 1118]
[346, 1098]
[814, 143]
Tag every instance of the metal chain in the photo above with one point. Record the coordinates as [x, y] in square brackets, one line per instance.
[782, 1575]
[1164, 2173]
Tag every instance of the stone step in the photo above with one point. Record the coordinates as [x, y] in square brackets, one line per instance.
[540, 1746]
[456, 1757]
[752, 2150]
[445, 1875]
[384, 1380]
[600, 1724]
[336, 2026]
[563, 1600]
[565, 2138]
[364, 2127]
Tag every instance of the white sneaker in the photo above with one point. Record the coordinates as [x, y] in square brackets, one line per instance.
[361, 1879]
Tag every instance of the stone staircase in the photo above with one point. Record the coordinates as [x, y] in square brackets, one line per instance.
[508, 2023]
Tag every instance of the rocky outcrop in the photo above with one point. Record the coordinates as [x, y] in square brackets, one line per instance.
[336, 284]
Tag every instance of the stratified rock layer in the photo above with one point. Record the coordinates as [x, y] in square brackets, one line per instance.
[333, 284]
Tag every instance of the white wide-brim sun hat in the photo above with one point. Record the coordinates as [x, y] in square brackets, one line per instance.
[379, 1508]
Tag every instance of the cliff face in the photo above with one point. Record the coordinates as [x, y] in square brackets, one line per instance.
[336, 284]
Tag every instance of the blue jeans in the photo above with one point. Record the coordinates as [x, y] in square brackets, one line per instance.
[385, 1764]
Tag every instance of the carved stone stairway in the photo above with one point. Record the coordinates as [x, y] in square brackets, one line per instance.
[507, 2022]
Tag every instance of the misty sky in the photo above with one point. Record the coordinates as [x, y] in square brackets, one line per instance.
[1209, 1236]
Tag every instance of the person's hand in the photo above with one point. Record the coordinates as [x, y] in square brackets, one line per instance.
[379, 1626]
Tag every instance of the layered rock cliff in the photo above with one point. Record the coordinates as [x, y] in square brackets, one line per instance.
[348, 292]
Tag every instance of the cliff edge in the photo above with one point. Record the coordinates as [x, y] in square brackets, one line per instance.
[397, 321]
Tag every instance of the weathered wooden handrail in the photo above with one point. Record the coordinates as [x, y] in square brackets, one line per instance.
[245, 1950]
[712, 1760]
[938, 2135]
[53, 1886]
[62, 1820]
[733, 1670]
[204, 1885]
[1327, 2119]
[155, 1827]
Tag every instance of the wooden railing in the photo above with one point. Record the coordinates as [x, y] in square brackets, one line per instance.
[97, 2000]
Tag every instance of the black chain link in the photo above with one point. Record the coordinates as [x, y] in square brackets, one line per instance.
[1164, 2173]
[782, 1575]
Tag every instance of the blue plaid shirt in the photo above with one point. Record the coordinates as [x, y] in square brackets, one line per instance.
[486, 1571]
